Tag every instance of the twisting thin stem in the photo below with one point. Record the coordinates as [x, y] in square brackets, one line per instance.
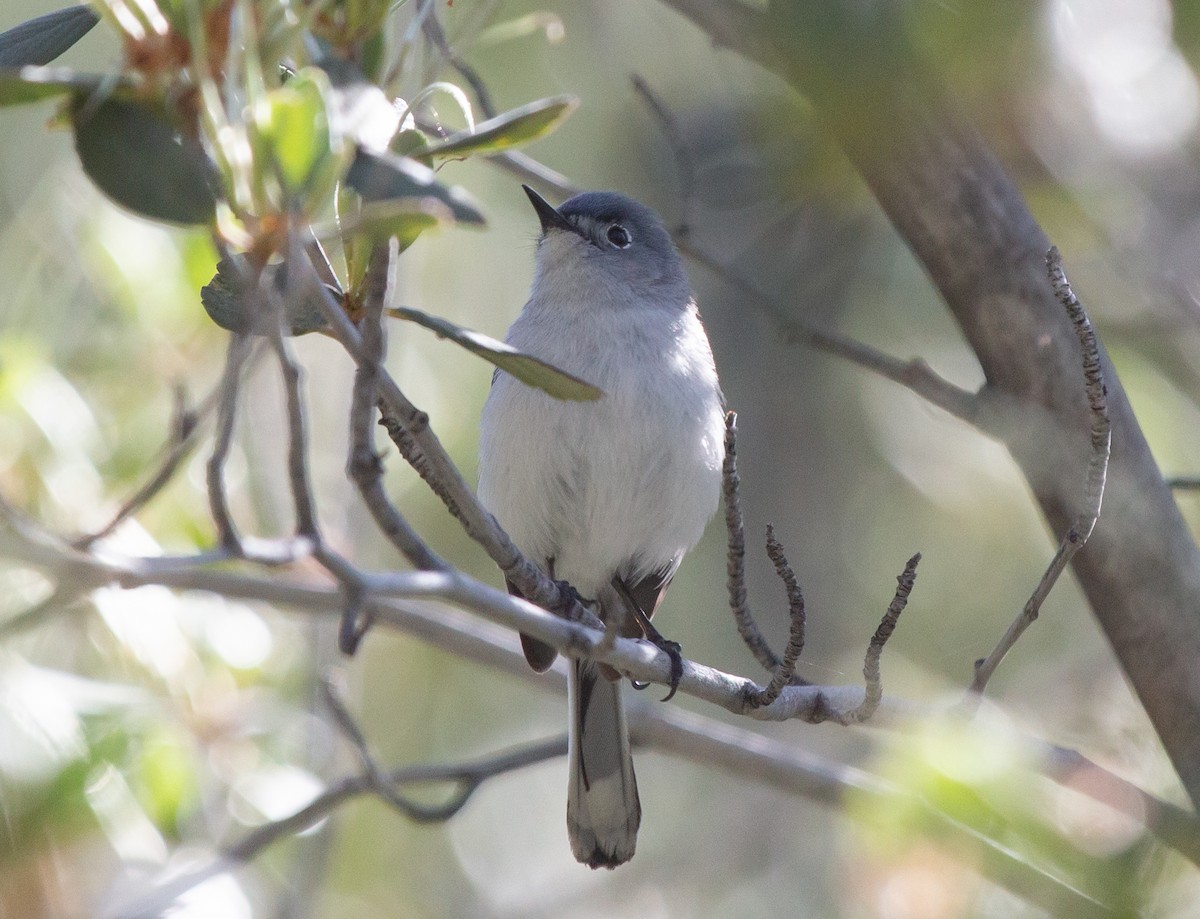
[1097, 470]
[378, 781]
[873, 687]
[1097, 395]
[466, 777]
[433, 30]
[685, 163]
[218, 501]
[785, 673]
[185, 425]
[292, 376]
[364, 465]
[735, 564]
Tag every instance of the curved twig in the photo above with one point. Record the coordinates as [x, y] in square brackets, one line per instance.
[235, 358]
[873, 687]
[785, 673]
[1083, 524]
[735, 564]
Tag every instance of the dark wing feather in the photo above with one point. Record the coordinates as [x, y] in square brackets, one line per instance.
[539, 654]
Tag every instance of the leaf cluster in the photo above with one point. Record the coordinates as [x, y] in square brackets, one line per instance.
[260, 124]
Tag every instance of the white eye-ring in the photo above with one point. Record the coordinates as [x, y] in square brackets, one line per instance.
[619, 236]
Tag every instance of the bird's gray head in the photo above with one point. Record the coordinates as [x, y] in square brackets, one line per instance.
[610, 244]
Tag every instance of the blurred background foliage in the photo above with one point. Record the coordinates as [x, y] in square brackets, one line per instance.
[139, 730]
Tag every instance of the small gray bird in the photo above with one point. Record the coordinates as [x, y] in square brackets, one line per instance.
[606, 495]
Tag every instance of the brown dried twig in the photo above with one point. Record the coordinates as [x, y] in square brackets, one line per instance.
[1083, 524]
[466, 777]
[873, 687]
[915, 375]
[218, 501]
[185, 425]
[785, 673]
[297, 418]
[735, 565]
[364, 465]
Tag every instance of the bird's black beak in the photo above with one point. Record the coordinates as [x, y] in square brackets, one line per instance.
[549, 217]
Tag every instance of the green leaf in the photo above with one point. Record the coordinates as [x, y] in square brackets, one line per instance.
[165, 778]
[19, 85]
[511, 129]
[526, 368]
[293, 125]
[227, 304]
[41, 40]
[403, 218]
[410, 142]
[386, 177]
[134, 155]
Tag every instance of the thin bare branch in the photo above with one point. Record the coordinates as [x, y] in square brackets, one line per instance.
[735, 564]
[873, 692]
[685, 163]
[365, 467]
[751, 756]
[466, 777]
[292, 377]
[432, 27]
[185, 426]
[1183, 482]
[1097, 395]
[532, 172]
[383, 784]
[785, 673]
[1097, 469]
[393, 601]
[914, 375]
[1174, 826]
[235, 358]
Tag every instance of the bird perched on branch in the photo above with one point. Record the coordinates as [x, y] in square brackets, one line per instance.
[606, 495]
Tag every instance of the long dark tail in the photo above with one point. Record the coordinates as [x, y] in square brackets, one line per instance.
[603, 811]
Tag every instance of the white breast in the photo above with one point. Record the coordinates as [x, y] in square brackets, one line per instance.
[624, 485]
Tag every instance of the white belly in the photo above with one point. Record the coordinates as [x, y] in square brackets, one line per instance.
[624, 485]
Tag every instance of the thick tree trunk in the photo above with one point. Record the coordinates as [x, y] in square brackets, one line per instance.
[967, 223]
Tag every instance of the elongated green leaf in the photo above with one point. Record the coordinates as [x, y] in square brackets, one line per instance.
[511, 129]
[524, 367]
[19, 85]
[41, 40]
[384, 177]
[403, 218]
[293, 132]
[133, 155]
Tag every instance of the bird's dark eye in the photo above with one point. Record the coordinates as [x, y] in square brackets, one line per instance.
[619, 236]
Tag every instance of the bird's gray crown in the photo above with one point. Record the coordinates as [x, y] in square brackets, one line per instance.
[626, 237]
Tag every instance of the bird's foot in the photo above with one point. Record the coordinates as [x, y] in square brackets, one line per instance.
[673, 650]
